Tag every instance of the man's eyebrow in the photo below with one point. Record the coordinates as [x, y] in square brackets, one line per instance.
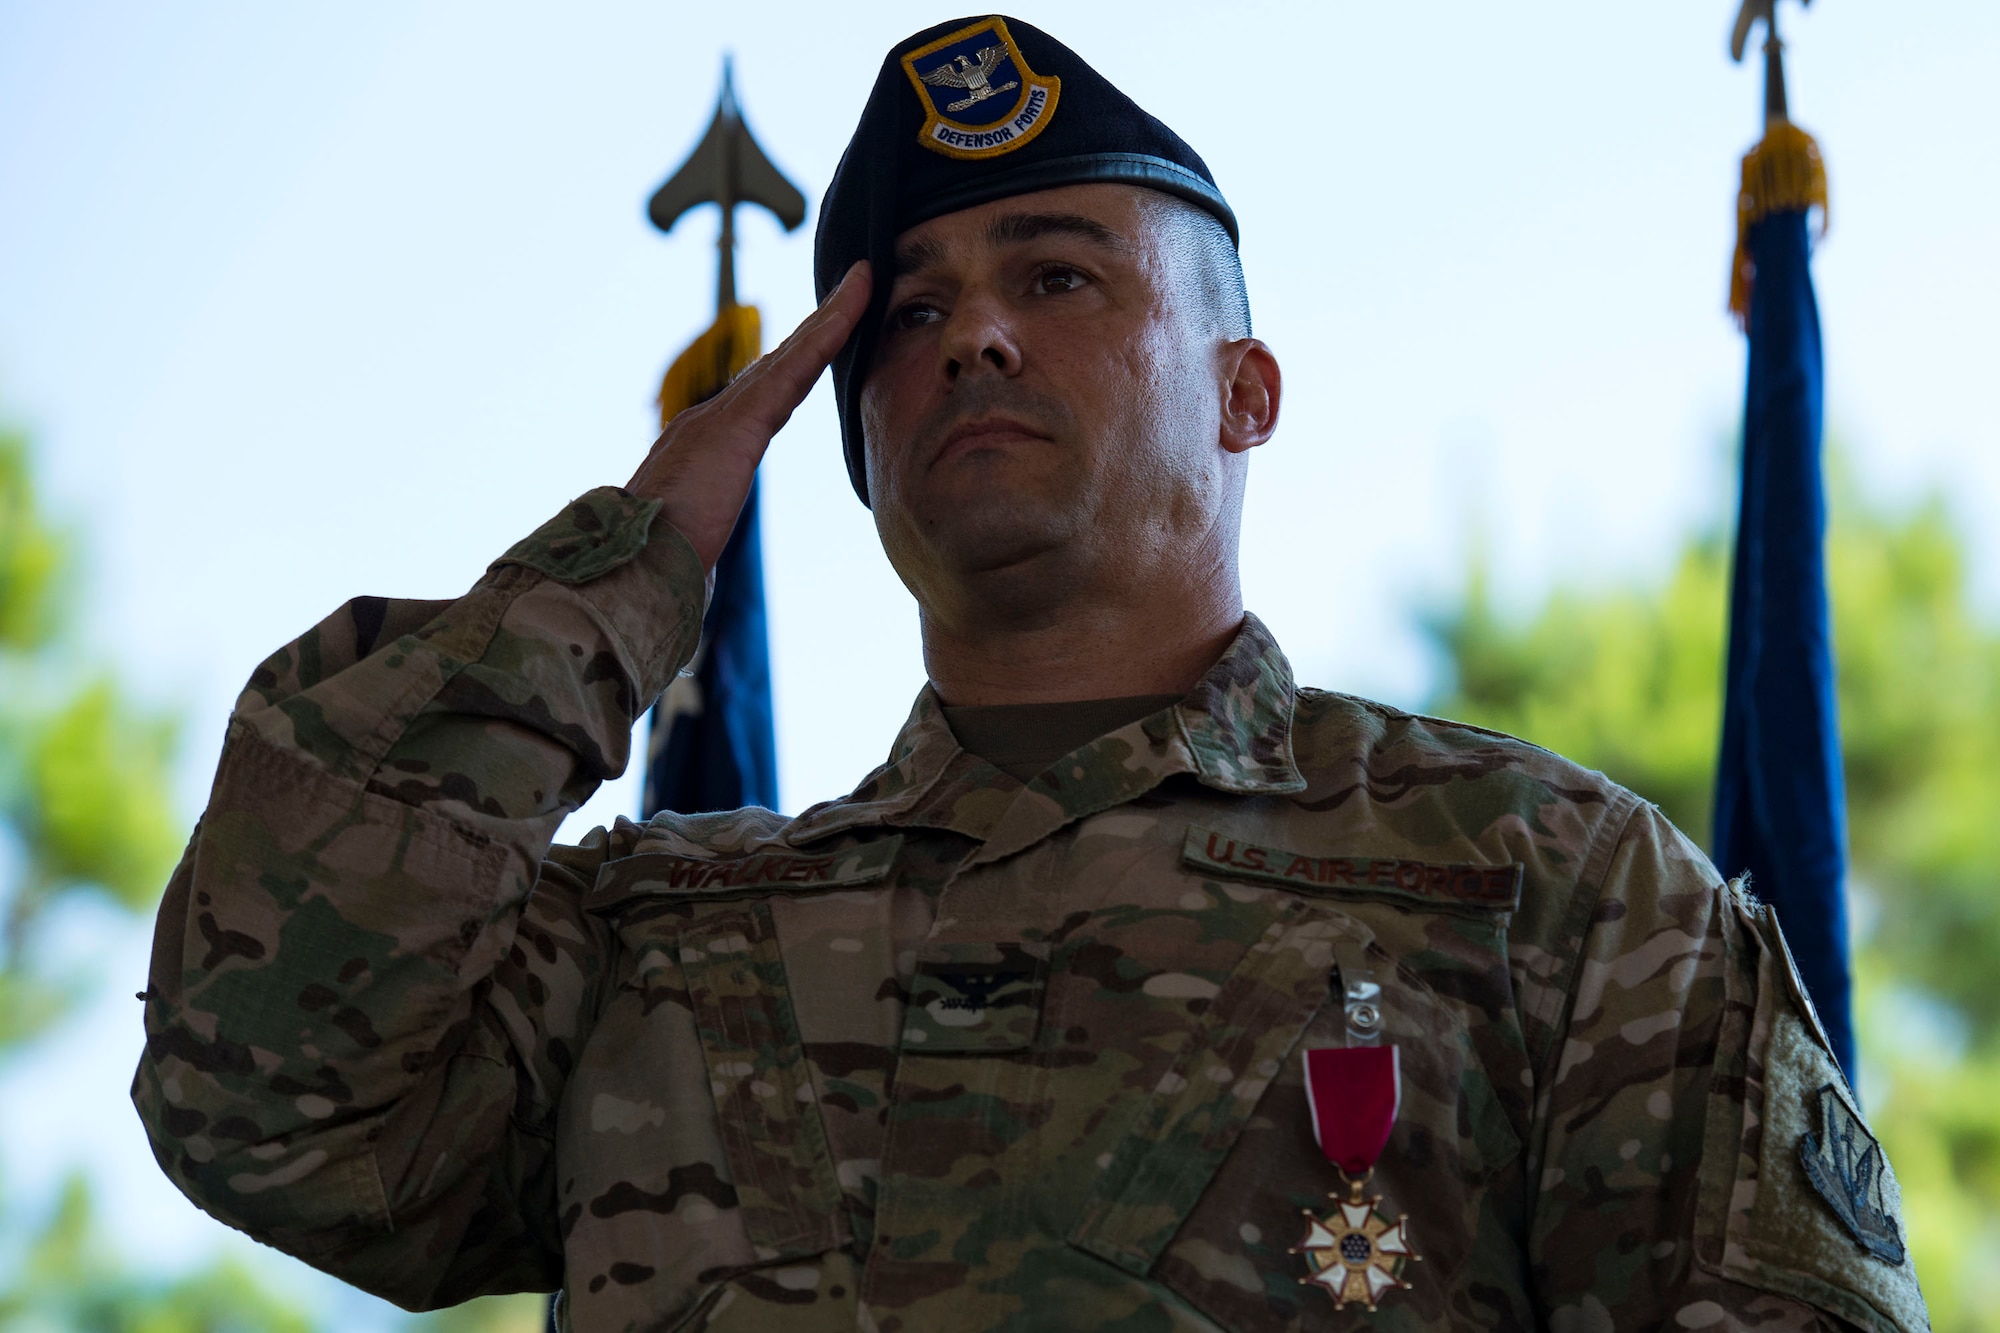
[916, 256]
[1014, 229]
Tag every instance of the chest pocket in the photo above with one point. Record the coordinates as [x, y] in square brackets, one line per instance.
[764, 1103]
[1209, 1192]
[702, 936]
[1196, 1113]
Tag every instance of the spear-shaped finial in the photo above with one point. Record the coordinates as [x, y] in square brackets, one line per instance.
[1774, 52]
[727, 168]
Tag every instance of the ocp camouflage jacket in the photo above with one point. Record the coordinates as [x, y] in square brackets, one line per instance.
[951, 1053]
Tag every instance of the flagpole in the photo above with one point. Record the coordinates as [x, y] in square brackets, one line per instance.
[725, 198]
[712, 744]
[725, 260]
[1774, 71]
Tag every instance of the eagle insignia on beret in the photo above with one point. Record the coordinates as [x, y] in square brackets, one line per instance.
[980, 98]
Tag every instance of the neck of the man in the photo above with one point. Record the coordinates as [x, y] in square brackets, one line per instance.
[1104, 644]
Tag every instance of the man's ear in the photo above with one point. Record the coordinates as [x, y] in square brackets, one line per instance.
[1251, 388]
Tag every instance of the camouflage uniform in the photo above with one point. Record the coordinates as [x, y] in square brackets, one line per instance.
[950, 1052]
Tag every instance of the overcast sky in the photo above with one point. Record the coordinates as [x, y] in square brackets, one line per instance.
[303, 302]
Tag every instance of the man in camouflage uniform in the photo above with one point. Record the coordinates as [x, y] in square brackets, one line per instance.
[1010, 1037]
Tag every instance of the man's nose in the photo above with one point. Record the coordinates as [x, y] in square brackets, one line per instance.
[980, 338]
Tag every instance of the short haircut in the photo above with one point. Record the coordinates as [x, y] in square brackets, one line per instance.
[1205, 259]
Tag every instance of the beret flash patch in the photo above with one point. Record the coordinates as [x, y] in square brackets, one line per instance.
[980, 98]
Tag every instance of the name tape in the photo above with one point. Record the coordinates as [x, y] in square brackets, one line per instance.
[651, 873]
[1490, 886]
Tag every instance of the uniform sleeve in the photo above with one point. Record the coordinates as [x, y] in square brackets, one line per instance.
[1703, 1164]
[367, 984]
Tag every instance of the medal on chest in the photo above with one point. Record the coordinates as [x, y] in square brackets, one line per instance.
[1357, 1252]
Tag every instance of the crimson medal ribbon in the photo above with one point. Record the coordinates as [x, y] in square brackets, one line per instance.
[1353, 1092]
[1356, 1252]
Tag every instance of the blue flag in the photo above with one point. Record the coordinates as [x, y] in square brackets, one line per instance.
[1780, 802]
[713, 746]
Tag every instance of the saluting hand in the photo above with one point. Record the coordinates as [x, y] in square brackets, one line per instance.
[701, 467]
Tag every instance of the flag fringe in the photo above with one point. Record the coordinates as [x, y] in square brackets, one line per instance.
[723, 351]
[1784, 173]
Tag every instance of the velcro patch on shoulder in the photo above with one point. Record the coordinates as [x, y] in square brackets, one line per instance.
[1463, 886]
[1795, 1194]
[662, 874]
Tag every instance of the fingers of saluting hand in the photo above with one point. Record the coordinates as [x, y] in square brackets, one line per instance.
[769, 391]
[702, 465]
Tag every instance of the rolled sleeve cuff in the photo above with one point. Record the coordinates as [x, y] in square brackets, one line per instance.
[636, 570]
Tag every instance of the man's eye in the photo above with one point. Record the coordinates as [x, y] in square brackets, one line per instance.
[914, 314]
[1057, 279]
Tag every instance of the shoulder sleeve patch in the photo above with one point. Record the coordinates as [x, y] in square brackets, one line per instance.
[1796, 1196]
[593, 535]
[1845, 1164]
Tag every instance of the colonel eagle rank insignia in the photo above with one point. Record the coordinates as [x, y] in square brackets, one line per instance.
[980, 98]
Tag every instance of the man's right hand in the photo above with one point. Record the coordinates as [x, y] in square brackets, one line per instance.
[701, 467]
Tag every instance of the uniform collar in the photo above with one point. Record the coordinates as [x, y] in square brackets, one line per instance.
[1232, 733]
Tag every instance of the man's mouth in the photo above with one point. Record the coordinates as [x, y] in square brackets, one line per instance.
[986, 431]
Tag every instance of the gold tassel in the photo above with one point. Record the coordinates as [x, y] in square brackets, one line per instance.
[718, 356]
[1784, 173]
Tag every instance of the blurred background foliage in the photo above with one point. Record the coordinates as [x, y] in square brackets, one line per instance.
[85, 803]
[1626, 679]
[87, 809]
[1629, 680]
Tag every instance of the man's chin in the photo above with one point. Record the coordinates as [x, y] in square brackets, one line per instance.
[994, 538]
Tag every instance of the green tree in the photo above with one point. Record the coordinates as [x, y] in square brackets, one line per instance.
[72, 1279]
[1629, 680]
[86, 809]
[84, 783]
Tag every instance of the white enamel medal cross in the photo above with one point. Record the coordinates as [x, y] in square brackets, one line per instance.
[1355, 1251]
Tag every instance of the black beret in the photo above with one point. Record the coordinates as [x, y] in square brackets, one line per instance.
[962, 114]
